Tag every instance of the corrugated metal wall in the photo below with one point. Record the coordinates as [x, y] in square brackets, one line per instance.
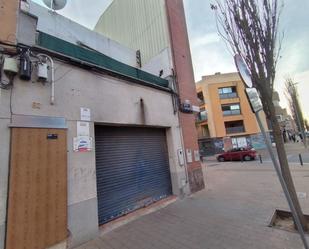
[138, 24]
[132, 169]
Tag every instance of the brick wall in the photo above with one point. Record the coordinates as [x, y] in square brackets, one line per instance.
[8, 20]
[186, 85]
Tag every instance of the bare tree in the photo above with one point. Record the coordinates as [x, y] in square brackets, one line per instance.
[307, 124]
[250, 28]
[292, 96]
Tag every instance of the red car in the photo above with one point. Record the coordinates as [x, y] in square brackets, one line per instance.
[239, 154]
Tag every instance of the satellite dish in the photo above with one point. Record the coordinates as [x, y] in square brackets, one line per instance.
[243, 70]
[55, 4]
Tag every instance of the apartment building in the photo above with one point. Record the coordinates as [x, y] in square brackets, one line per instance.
[226, 118]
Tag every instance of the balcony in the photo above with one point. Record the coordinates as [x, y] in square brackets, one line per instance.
[229, 92]
[234, 127]
[201, 117]
[228, 95]
[200, 98]
[237, 129]
[231, 112]
[200, 102]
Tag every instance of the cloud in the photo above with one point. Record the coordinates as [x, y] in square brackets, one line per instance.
[86, 13]
[205, 40]
[210, 59]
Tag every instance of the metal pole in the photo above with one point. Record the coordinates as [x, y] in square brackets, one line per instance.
[300, 159]
[261, 161]
[52, 94]
[282, 182]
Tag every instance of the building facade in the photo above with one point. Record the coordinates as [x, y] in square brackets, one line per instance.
[286, 122]
[226, 118]
[86, 137]
[159, 35]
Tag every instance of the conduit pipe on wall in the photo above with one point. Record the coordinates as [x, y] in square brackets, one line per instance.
[52, 94]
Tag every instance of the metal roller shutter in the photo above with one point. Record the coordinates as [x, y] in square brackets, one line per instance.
[132, 169]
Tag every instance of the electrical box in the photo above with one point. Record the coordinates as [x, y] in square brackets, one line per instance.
[10, 66]
[42, 72]
[181, 158]
[25, 67]
[189, 155]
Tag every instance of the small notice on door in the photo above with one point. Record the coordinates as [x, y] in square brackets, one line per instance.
[82, 144]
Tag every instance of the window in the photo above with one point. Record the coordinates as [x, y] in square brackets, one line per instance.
[200, 98]
[234, 127]
[231, 109]
[202, 116]
[205, 131]
[227, 92]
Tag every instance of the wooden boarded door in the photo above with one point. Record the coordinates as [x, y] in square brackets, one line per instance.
[37, 206]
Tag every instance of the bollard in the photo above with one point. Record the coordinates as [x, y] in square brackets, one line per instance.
[300, 160]
[261, 161]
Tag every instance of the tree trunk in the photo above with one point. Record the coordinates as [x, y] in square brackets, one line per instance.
[285, 170]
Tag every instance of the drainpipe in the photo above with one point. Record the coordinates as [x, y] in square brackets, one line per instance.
[52, 94]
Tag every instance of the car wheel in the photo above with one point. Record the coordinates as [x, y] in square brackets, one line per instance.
[247, 158]
[221, 159]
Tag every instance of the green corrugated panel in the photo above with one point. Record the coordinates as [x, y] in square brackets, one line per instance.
[101, 60]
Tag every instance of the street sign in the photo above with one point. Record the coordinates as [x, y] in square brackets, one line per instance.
[243, 70]
[254, 99]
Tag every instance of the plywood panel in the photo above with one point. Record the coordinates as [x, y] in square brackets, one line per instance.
[37, 211]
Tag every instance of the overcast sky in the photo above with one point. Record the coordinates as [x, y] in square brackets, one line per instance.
[209, 53]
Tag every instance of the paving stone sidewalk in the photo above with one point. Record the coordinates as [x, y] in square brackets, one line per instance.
[232, 213]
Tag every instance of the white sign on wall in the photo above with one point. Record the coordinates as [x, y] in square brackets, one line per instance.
[82, 144]
[181, 158]
[85, 114]
[196, 155]
[189, 155]
[83, 129]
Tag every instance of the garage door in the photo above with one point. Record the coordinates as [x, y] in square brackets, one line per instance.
[132, 169]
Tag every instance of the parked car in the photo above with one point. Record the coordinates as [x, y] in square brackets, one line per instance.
[239, 154]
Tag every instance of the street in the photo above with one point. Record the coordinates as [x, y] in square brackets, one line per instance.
[232, 212]
[293, 150]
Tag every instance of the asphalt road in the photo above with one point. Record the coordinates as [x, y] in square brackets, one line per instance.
[293, 150]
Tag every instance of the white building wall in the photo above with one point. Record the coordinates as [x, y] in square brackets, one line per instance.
[138, 24]
[56, 25]
[112, 101]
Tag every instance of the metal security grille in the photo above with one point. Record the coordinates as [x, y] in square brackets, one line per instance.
[132, 169]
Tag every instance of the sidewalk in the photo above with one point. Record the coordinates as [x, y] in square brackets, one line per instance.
[232, 213]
